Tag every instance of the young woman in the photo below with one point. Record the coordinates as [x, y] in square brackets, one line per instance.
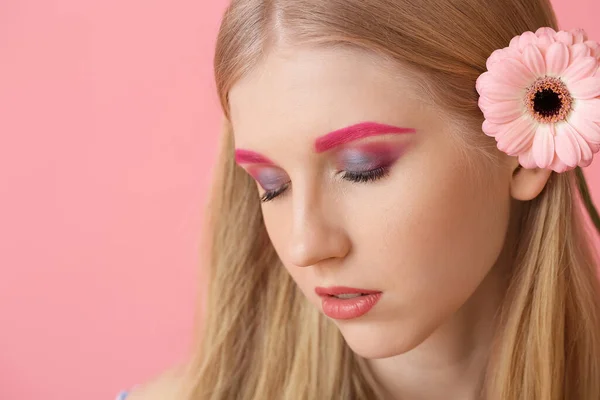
[397, 210]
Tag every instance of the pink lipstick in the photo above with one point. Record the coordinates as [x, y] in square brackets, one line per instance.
[341, 302]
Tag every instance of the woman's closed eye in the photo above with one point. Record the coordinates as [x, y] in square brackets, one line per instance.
[352, 176]
[364, 163]
[366, 176]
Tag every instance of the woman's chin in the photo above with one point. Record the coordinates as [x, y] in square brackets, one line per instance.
[373, 342]
[374, 352]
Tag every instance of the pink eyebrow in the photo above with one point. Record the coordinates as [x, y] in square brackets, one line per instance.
[250, 157]
[355, 132]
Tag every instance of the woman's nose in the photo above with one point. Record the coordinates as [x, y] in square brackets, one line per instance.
[316, 234]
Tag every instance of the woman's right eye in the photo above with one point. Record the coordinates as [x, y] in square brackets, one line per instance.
[359, 177]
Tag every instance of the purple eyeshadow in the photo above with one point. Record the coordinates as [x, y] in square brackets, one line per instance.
[367, 157]
[268, 178]
[354, 158]
[357, 160]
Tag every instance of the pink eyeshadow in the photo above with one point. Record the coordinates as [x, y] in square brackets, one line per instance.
[268, 178]
[356, 132]
[369, 156]
[251, 157]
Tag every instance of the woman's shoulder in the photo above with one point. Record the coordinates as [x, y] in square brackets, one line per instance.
[165, 386]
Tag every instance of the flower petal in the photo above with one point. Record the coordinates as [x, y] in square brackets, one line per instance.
[526, 159]
[566, 145]
[512, 72]
[544, 43]
[543, 145]
[557, 58]
[582, 68]
[484, 103]
[502, 112]
[579, 50]
[494, 58]
[587, 88]
[590, 109]
[594, 47]
[545, 30]
[559, 166]
[589, 130]
[489, 128]
[584, 147]
[501, 54]
[514, 42]
[579, 35]
[481, 79]
[488, 86]
[526, 39]
[585, 163]
[534, 60]
[564, 37]
[517, 136]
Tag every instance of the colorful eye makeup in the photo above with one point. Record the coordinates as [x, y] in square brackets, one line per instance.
[269, 178]
[368, 156]
[356, 132]
[251, 157]
[359, 162]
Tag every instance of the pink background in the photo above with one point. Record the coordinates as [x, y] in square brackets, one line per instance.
[109, 122]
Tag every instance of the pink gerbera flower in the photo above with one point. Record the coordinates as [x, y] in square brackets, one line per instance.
[541, 99]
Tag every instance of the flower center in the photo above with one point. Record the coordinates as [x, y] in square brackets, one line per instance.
[548, 100]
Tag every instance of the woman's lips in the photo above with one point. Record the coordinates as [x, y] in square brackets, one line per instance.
[347, 308]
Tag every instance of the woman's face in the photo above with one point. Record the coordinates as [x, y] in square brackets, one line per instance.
[396, 209]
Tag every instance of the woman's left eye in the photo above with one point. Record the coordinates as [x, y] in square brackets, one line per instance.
[366, 176]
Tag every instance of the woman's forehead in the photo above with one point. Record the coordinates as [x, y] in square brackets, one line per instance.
[319, 90]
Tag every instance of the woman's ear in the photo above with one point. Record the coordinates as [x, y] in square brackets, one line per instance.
[527, 184]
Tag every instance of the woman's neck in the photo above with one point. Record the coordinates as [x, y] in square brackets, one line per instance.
[451, 362]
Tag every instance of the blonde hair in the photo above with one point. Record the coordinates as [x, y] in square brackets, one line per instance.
[262, 340]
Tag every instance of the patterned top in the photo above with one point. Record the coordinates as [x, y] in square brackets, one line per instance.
[122, 395]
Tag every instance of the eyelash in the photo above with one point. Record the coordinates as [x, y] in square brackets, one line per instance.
[358, 177]
[271, 194]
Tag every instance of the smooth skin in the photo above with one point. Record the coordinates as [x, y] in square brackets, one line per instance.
[166, 386]
[432, 235]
